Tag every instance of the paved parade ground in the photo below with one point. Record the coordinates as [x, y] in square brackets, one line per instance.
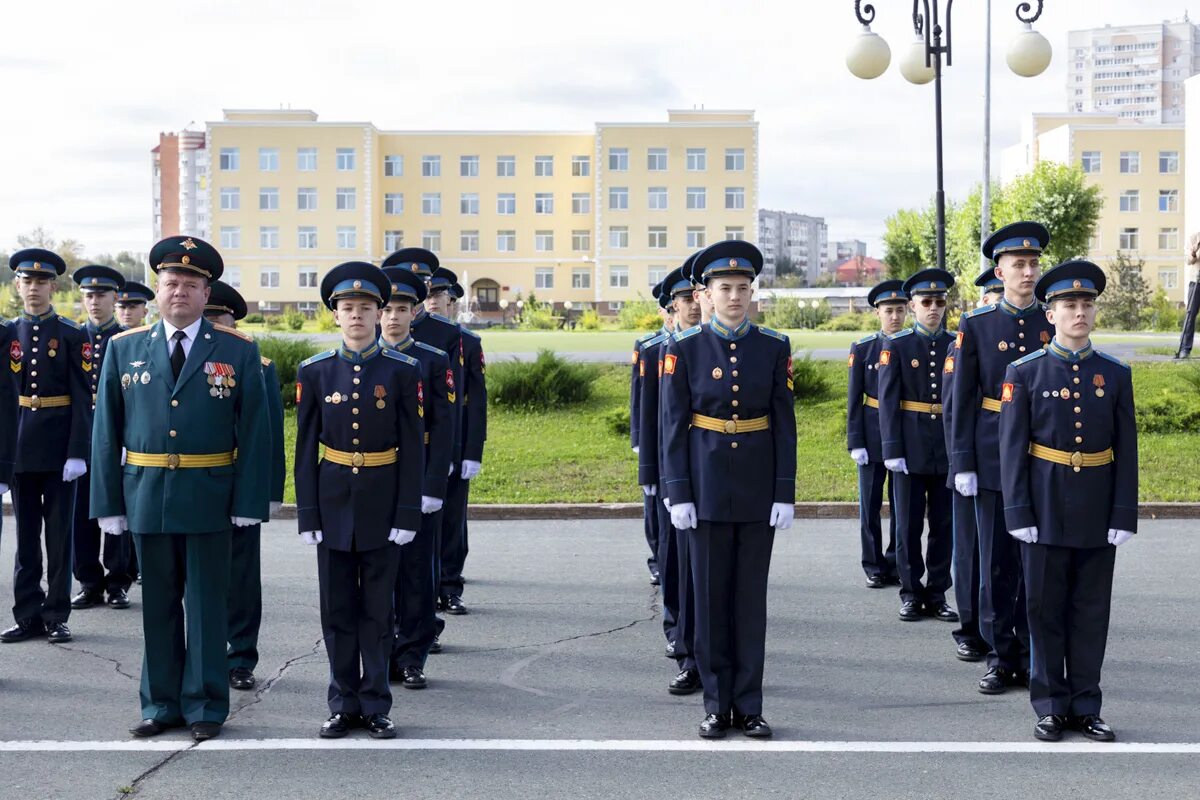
[555, 686]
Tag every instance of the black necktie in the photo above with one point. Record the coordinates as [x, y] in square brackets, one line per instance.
[178, 356]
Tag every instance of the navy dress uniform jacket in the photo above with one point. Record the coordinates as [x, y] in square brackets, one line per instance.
[8, 410]
[648, 442]
[862, 420]
[436, 330]
[97, 336]
[438, 418]
[635, 387]
[911, 371]
[474, 396]
[1072, 403]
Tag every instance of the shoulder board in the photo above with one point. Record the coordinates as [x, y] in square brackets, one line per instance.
[469, 332]
[645, 337]
[123, 334]
[5, 323]
[902, 334]
[1036, 354]
[233, 332]
[446, 320]
[266, 362]
[319, 357]
[1113, 359]
[433, 349]
[979, 312]
[866, 339]
[70, 323]
[659, 339]
[772, 333]
[692, 331]
[395, 355]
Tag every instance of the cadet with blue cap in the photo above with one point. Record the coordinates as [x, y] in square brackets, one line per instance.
[862, 434]
[729, 444]
[649, 514]
[1069, 469]
[132, 304]
[360, 499]
[914, 446]
[988, 340]
[99, 286]
[50, 362]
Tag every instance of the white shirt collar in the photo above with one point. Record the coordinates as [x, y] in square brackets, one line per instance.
[192, 331]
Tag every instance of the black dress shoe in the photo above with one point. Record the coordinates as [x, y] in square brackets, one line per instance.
[380, 727]
[909, 611]
[686, 682]
[941, 610]
[24, 629]
[1091, 726]
[892, 579]
[58, 633]
[87, 599]
[875, 582]
[655, 579]
[436, 647]
[714, 726]
[441, 603]
[753, 726]
[139, 579]
[149, 727]
[241, 679]
[997, 680]
[1050, 728]
[203, 731]
[339, 725]
[454, 605]
[969, 651]
[118, 598]
[412, 678]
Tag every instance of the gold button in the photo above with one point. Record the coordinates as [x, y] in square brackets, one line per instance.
[1076, 380]
[1021, 348]
[735, 373]
[174, 404]
[1077, 395]
[1020, 322]
[357, 381]
[358, 367]
[735, 403]
[1078, 440]
[732, 346]
[1075, 468]
[354, 425]
[35, 349]
[355, 395]
[1075, 367]
[354, 470]
[354, 441]
[354, 411]
[1077, 409]
[733, 359]
[37, 327]
[1078, 425]
[1021, 335]
[735, 416]
[33, 374]
[35, 338]
[734, 387]
[733, 445]
[33, 386]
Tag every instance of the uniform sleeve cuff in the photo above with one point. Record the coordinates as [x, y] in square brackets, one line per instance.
[680, 491]
[1017, 517]
[1123, 518]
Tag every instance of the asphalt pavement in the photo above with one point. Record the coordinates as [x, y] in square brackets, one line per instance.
[555, 686]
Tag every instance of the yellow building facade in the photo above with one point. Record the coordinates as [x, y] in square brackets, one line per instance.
[592, 217]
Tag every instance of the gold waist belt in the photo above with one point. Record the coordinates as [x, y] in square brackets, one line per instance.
[378, 459]
[179, 460]
[871, 402]
[35, 402]
[1075, 459]
[730, 425]
[426, 437]
[923, 408]
[990, 404]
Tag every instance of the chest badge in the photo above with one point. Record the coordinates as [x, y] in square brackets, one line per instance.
[52, 349]
[1098, 382]
[1002, 346]
[915, 363]
[145, 377]
[717, 373]
[1064, 393]
[15, 355]
[380, 393]
[334, 398]
[126, 380]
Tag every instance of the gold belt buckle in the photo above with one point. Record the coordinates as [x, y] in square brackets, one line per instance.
[173, 461]
[731, 426]
[935, 408]
[1077, 459]
[35, 403]
[357, 460]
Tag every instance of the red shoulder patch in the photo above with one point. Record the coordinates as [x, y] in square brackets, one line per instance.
[948, 366]
[299, 392]
[669, 364]
[850, 360]
[1006, 393]
[958, 337]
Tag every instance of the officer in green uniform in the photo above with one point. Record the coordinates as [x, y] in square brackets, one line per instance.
[226, 306]
[185, 399]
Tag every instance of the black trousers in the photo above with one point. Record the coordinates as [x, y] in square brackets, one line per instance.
[1002, 621]
[965, 570]
[356, 618]
[875, 559]
[416, 595]
[91, 544]
[1188, 335]
[42, 498]
[453, 546]
[670, 577]
[915, 495]
[652, 524]
[245, 596]
[1069, 596]
[730, 564]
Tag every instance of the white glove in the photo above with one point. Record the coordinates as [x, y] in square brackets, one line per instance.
[450, 471]
[3, 488]
[649, 489]
[966, 484]
[312, 537]
[896, 465]
[73, 469]
[683, 516]
[1026, 535]
[859, 454]
[401, 537]
[113, 526]
[1117, 538]
[430, 505]
[637, 449]
[470, 469]
[124, 455]
[782, 515]
[667, 503]
[275, 506]
[244, 522]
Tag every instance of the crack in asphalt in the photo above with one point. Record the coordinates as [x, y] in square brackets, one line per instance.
[84, 651]
[653, 608]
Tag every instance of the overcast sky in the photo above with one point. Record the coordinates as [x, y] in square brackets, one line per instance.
[86, 87]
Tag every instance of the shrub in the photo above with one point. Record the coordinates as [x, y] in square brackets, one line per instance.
[274, 322]
[589, 320]
[537, 319]
[784, 314]
[810, 381]
[863, 321]
[294, 320]
[254, 319]
[617, 420]
[547, 382]
[639, 315]
[287, 352]
[325, 321]
[1170, 412]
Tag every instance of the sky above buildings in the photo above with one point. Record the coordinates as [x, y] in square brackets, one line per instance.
[87, 87]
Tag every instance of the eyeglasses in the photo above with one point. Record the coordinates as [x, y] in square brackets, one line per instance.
[940, 302]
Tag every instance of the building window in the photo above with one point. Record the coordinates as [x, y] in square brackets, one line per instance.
[431, 203]
[656, 159]
[543, 241]
[308, 278]
[658, 238]
[306, 159]
[1168, 162]
[1168, 278]
[618, 237]
[393, 203]
[506, 241]
[347, 237]
[618, 198]
[1094, 242]
[468, 203]
[581, 278]
[695, 237]
[468, 166]
[393, 240]
[506, 204]
[734, 232]
[656, 198]
[1168, 238]
[268, 199]
[431, 240]
[581, 166]
[231, 237]
[307, 237]
[268, 159]
[543, 278]
[231, 198]
[347, 198]
[393, 166]
[618, 159]
[735, 198]
[1168, 199]
[618, 277]
[307, 306]
[1130, 200]
[345, 159]
[1090, 161]
[468, 241]
[697, 159]
[735, 159]
[268, 238]
[266, 305]
[697, 198]
[581, 203]
[1129, 238]
[506, 166]
[306, 198]
[654, 275]
[581, 241]
[543, 203]
[1131, 162]
[431, 166]
[268, 277]
[543, 166]
[230, 159]
[233, 276]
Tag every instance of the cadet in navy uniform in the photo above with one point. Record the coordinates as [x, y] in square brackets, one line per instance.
[964, 568]
[729, 439]
[1069, 468]
[8, 415]
[99, 286]
[50, 366]
[362, 498]
[988, 340]
[226, 306]
[650, 517]
[416, 580]
[862, 434]
[914, 446]
[678, 592]
[132, 304]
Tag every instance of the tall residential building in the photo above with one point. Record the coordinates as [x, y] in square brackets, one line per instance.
[179, 170]
[1140, 170]
[801, 239]
[594, 217]
[1135, 72]
[847, 249]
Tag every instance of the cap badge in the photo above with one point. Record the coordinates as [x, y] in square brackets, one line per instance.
[1076, 285]
[188, 244]
[733, 262]
[1025, 243]
[358, 284]
[186, 259]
